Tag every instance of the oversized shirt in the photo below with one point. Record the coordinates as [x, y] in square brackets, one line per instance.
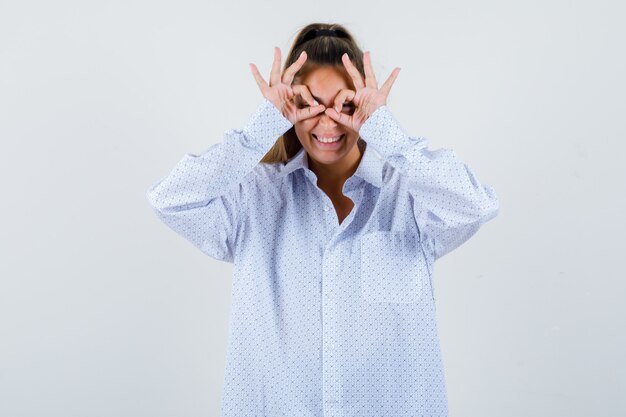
[328, 319]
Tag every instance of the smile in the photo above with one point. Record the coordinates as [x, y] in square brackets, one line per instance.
[329, 140]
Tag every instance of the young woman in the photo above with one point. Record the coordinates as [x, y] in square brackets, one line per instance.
[333, 309]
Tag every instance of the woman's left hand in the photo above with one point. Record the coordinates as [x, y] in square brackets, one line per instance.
[367, 98]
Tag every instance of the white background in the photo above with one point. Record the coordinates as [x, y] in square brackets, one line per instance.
[106, 312]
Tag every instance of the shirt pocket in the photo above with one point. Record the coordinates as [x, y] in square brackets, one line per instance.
[393, 268]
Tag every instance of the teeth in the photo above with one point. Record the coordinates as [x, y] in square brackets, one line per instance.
[328, 140]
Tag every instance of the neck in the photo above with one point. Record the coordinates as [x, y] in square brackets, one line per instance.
[331, 177]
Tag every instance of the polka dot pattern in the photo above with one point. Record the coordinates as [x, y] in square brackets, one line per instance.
[327, 318]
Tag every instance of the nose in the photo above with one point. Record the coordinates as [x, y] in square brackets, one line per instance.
[326, 120]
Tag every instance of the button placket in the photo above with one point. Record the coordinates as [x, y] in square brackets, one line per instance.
[331, 381]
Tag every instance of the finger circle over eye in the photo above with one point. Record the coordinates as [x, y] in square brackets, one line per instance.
[344, 95]
[305, 93]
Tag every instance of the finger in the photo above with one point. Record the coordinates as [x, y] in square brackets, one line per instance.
[290, 93]
[304, 92]
[340, 118]
[258, 77]
[275, 74]
[352, 71]
[308, 112]
[345, 95]
[289, 107]
[294, 68]
[370, 78]
[390, 80]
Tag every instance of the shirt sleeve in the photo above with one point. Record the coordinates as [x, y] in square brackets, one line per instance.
[449, 202]
[202, 197]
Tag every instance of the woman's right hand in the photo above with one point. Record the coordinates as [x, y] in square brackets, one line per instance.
[281, 93]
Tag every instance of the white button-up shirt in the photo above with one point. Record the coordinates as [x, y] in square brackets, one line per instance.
[328, 318]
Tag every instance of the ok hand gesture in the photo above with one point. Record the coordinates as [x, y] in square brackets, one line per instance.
[367, 97]
[281, 92]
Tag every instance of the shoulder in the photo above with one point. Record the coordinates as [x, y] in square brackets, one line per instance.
[268, 173]
[264, 182]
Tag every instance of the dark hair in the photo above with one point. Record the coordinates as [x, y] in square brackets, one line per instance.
[323, 50]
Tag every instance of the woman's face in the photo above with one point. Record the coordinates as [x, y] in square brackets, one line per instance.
[324, 83]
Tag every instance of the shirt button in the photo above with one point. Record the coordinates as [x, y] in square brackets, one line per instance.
[326, 208]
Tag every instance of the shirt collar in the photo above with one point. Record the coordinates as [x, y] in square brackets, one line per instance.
[370, 167]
